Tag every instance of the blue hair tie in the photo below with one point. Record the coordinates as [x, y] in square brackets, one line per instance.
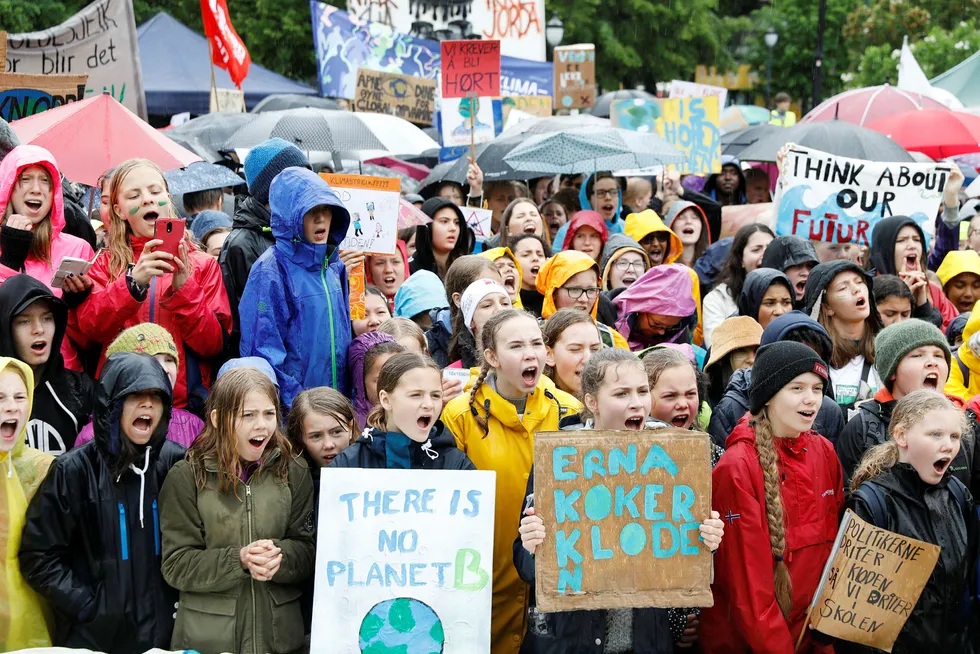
[779, 559]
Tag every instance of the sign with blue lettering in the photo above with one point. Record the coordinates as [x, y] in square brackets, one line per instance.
[621, 513]
[404, 561]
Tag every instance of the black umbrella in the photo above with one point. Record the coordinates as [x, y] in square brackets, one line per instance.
[283, 101]
[310, 130]
[733, 143]
[205, 135]
[832, 136]
[435, 177]
[604, 101]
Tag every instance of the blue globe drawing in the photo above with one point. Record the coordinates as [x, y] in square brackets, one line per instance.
[401, 626]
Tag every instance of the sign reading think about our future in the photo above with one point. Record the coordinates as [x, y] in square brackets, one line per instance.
[822, 197]
[470, 67]
[405, 563]
[871, 583]
[622, 511]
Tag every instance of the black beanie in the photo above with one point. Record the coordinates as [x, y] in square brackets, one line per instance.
[776, 365]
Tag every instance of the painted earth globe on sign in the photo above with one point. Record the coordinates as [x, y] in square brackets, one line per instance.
[401, 626]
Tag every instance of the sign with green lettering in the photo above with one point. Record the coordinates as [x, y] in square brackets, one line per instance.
[621, 511]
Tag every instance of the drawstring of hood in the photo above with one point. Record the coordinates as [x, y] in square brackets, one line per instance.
[427, 448]
[142, 476]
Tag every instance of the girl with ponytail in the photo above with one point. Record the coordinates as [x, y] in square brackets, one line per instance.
[905, 485]
[494, 424]
[779, 487]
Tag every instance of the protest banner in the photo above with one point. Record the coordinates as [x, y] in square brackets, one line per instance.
[833, 199]
[373, 206]
[870, 584]
[229, 101]
[734, 216]
[681, 89]
[575, 76]
[98, 41]
[691, 125]
[622, 511]
[407, 562]
[480, 220]
[455, 119]
[538, 106]
[470, 67]
[25, 95]
[411, 98]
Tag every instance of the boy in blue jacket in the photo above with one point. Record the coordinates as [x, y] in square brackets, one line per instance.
[294, 311]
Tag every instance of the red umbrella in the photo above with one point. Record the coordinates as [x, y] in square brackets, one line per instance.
[409, 215]
[864, 106]
[89, 137]
[413, 170]
[933, 132]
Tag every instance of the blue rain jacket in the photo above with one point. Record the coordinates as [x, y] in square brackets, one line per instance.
[295, 308]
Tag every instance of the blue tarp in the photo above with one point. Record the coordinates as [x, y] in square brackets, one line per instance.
[177, 76]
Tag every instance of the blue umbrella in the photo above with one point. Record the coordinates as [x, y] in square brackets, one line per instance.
[201, 176]
[588, 149]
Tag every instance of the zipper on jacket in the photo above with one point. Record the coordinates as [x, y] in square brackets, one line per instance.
[333, 342]
[251, 580]
[156, 528]
[123, 533]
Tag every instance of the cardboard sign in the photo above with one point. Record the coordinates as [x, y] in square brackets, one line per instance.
[25, 95]
[480, 220]
[411, 98]
[621, 513]
[404, 561]
[470, 67]
[228, 101]
[99, 41]
[373, 206]
[871, 583]
[538, 106]
[456, 122]
[692, 126]
[833, 199]
[575, 76]
[681, 89]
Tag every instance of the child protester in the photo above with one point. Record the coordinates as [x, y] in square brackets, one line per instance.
[659, 307]
[482, 299]
[156, 342]
[617, 397]
[295, 307]
[494, 425]
[239, 510]
[894, 300]
[779, 486]
[35, 329]
[570, 338]
[91, 542]
[906, 485]
[365, 357]
[22, 469]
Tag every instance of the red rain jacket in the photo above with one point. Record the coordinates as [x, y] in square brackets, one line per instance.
[745, 616]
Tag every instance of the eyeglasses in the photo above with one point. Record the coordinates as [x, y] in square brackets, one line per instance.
[607, 193]
[575, 292]
[624, 265]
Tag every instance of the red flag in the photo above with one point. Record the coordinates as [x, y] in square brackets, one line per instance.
[227, 49]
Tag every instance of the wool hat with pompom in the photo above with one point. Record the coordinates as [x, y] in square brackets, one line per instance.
[146, 338]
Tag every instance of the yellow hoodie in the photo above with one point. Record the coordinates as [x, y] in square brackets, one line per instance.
[22, 612]
[508, 449]
[495, 253]
[956, 385]
[956, 263]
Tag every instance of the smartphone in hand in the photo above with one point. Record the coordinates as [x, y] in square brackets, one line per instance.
[171, 232]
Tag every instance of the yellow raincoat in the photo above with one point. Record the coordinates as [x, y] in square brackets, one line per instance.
[495, 253]
[23, 614]
[639, 226]
[556, 272]
[508, 449]
[956, 385]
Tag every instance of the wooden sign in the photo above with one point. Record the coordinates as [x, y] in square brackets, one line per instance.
[871, 583]
[411, 98]
[470, 67]
[621, 513]
[23, 95]
[575, 76]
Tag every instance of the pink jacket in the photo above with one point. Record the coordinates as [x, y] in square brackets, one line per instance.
[62, 245]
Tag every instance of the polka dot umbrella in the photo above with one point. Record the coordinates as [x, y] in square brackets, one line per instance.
[588, 149]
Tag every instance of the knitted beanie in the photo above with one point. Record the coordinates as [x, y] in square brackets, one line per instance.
[898, 339]
[776, 365]
[146, 338]
[267, 160]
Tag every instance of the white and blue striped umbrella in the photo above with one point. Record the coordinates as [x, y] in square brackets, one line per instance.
[588, 149]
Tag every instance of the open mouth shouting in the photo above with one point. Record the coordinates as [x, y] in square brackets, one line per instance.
[389, 280]
[425, 422]
[681, 420]
[150, 217]
[143, 424]
[33, 207]
[530, 376]
[635, 422]
[258, 442]
[931, 381]
[629, 278]
[8, 430]
[941, 464]
[911, 262]
[39, 347]
[688, 231]
[530, 226]
[656, 250]
[320, 234]
[534, 271]
[800, 287]
[808, 415]
[510, 282]
[607, 208]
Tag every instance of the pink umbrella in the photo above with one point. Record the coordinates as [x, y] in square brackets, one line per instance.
[409, 215]
[89, 137]
[413, 170]
[864, 106]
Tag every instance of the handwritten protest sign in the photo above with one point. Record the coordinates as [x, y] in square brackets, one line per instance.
[229, 101]
[480, 220]
[871, 583]
[457, 124]
[25, 95]
[411, 98]
[470, 67]
[406, 563]
[681, 89]
[833, 199]
[373, 206]
[622, 510]
[575, 76]
[691, 125]
[637, 114]
[538, 106]
[99, 41]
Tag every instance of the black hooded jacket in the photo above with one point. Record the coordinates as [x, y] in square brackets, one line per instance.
[940, 620]
[63, 399]
[784, 252]
[250, 236]
[881, 259]
[822, 275]
[754, 289]
[91, 542]
[437, 453]
[424, 257]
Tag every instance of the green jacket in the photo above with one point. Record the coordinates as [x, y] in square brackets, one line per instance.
[222, 609]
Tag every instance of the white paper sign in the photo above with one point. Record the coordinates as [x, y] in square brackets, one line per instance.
[681, 89]
[373, 206]
[404, 561]
[480, 220]
[455, 117]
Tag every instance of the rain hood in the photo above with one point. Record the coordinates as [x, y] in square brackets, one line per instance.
[640, 225]
[557, 271]
[293, 193]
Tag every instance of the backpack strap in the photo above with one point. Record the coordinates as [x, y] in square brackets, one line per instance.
[964, 369]
[874, 497]
[958, 489]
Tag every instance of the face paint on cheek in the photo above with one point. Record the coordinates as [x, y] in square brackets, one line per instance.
[840, 297]
[163, 203]
[135, 210]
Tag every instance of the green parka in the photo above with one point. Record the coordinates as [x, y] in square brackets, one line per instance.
[221, 608]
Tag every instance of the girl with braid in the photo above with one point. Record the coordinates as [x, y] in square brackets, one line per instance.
[779, 488]
[494, 425]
